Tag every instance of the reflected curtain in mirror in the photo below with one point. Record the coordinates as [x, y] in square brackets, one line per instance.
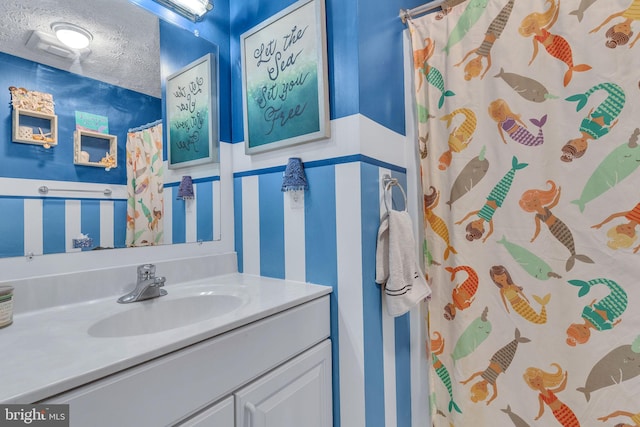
[145, 204]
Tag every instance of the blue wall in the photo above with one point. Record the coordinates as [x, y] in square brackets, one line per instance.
[71, 92]
[215, 29]
[364, 55]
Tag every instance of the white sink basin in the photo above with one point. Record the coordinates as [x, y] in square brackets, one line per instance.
[165, 313]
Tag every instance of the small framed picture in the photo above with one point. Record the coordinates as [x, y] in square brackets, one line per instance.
[192, 114]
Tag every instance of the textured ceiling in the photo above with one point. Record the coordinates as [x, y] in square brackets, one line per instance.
[125, 50]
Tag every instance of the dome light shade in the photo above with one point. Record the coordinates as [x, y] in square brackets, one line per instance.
[72, 35]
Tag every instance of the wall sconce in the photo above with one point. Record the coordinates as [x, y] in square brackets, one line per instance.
[294, 181]
[193, 10]
[185, 189]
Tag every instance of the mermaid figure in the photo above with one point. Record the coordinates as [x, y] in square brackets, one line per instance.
[599, 315]
[537, 25]
[437, 346]
[460, 136]
[511, 123]
[541, 381]
[623, 235]
[495, 199]
[498, 364]
[599, 121]
[437, 224]
[432, 75]
[619, 34]
[463, 294]
[474, 67]
[541, 202]
[511, 292]
[635, 418]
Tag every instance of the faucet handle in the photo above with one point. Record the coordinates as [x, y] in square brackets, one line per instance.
[146, 271]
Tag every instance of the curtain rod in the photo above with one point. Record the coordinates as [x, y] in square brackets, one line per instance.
[147, 126]
[408, 13]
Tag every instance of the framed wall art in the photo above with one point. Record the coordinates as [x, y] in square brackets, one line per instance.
[192, 113]
[284, 79]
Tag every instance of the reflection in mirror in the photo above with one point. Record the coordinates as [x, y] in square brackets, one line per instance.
[112, 87]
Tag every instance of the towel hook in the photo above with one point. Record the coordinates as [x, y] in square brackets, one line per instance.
[389, 182]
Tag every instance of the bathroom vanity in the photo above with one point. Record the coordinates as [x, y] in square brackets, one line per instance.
[230, 350]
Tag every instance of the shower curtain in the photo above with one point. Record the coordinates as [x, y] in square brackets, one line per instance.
[145, 206]
[528, 123]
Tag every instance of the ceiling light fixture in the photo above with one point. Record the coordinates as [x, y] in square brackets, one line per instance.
[72, 35]
[190, 9]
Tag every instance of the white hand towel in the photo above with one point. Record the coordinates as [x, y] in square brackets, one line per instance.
[397, 269]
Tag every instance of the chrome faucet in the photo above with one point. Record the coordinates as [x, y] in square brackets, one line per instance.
[147, 287]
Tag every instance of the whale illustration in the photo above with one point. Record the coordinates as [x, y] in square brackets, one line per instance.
[471, 174]
[515, 419]
[472, 337]
[620, 364]
[528, 88]
[584, 5]
[530, 262]
[618, 165]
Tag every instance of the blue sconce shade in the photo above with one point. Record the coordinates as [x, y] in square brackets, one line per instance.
[294, 178]
[185, 190]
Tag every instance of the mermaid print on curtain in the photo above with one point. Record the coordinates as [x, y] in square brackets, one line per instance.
[145, 206]
[529, 124]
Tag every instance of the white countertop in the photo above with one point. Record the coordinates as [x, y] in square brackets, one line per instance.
[47, 352]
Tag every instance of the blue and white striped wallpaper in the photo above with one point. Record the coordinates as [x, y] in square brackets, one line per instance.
[47, 225]
[331, 240]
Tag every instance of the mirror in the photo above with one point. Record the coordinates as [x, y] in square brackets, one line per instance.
[118, 77]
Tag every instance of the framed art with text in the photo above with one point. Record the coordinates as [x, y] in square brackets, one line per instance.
[192, 113]
[284, 79]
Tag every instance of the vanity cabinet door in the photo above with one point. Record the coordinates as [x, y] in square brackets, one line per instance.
[296, 394]
[219, 415]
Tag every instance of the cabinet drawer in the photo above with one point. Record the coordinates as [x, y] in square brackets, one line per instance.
[170, 388]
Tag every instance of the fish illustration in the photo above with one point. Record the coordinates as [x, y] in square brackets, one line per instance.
[471, 174]
[464, 293]
[620, 364]
[530, 262]
[442, 371]
[468, 18]
[515, 419]
[584, 5]
[618, 165]
[472, 337]
[437, 224]
[460, 136]
[526, 87]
